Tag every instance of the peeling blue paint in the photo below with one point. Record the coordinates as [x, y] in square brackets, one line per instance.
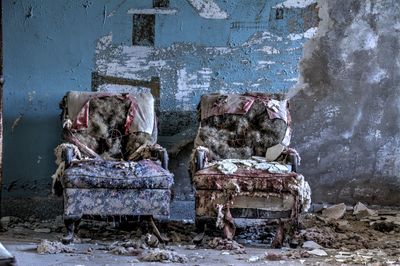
[52, 51]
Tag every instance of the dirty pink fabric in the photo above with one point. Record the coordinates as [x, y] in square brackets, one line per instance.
[219, 104]
[82, 118]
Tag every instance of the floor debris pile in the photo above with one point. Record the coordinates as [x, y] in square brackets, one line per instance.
[53, 247]
[359, 235]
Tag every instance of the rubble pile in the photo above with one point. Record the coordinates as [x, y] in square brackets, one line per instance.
[360, 236]
[226, 244]
[53, 247]
[163, 255]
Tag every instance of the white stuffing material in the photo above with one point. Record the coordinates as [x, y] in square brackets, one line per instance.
[304, 191]
[230, 166]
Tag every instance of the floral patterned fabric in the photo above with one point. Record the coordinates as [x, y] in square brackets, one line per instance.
[146, 174]
[211, 178]
[109, 202]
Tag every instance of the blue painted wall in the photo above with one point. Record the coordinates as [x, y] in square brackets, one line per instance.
[50, 45]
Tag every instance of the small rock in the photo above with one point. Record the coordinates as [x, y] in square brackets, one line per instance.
[253, 259]
[318, 252]
[310, 245]
[198, 238]
[343, 225]
[5, 221]
[273, 256]
[361, 211]
[42, 230]
[335, 211]
[160, 255]
[151, 240]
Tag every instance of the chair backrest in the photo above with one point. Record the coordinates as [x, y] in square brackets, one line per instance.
[238, 126]
[113, 125]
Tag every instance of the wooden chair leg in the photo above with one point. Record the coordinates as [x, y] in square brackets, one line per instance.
[69, 236]
[279, 236]
[156, 231]
[72, 226]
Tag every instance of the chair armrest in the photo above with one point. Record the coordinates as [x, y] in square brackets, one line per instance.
[152, 152]
[293, 158]
[162, 155]
[200, 158]
[294, 162]
[68, 156]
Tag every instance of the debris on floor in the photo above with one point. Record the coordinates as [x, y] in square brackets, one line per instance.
[53, 247]
[355, 238]
[163, 255]
[225, 244]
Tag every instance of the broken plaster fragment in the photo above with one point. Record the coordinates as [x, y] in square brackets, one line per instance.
[53, 247]
[334, 212]
[318, 252]
[162, 255]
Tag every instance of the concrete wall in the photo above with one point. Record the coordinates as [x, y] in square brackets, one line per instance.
[346, 105]
[187, 48]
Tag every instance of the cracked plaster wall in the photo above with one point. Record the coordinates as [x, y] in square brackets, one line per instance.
[346, 104]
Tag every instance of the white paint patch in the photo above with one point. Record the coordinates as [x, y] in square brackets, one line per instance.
[104, 42]
[332, 111]
[291, 80]
[135, 59]
[31, 95]
[360, 36]
[377, 76]
[161, 11]
[269, 50]
[220, 50]
[208, 9]
[116, 88]
[307, 34]
[296, 3]
[238, 83]
[261, 62]
[188, 84]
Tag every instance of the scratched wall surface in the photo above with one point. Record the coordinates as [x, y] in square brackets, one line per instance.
[195, 47]
[346, 105]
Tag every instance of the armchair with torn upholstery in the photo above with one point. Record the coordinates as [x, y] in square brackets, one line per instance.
[110, 163]
[242, 166]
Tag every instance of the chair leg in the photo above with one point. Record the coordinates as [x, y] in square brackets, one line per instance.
[156, 231]
[72, 227]
[279, 236]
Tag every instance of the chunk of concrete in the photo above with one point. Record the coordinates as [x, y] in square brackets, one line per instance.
[274, 152]
[334, 212]
[318, 252]
[311, 245]
[360, 210]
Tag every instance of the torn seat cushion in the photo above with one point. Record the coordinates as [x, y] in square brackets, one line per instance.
[144, 174]
[249, 180]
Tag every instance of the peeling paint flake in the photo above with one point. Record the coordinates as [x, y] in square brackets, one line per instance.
[208, 9]
[308, 34]
[296, 3]
[269, 50]
[161, 11]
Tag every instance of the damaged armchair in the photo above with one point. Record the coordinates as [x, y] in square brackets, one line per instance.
[109, 163]
[242, 166]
